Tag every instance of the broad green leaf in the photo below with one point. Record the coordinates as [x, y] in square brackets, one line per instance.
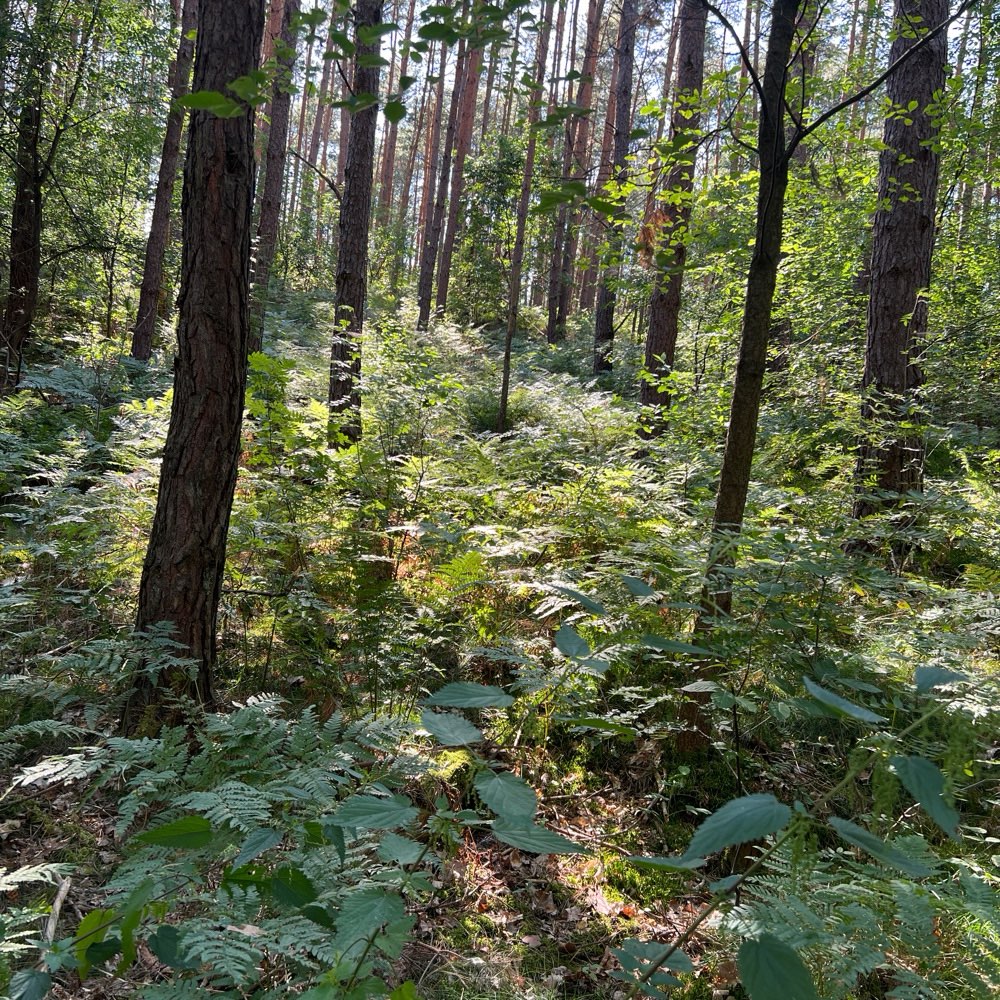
[583, 600]
[91, 930]
[394, 111]
[258, 841]
[672, 646]
[292, 887]
[926, 678]
[858, 836]
[771, 970]
[213, 102]
[396, 935]
[666, 864]
[466, 694]
[507, 795]
[570, 643]
[700, 687]
[188, 831]
[369, 812]
[840, 706]
[405, 991]
[925, 782]
[130, 915]
[393, 848]
[29, 984]
[604, 725]
[534, 838]
[637, 587]
[739, 821]
[450, 730]
[366, 910]
[165, 944]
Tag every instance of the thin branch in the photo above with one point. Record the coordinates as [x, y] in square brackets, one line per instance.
[744, 55]
[312, 166]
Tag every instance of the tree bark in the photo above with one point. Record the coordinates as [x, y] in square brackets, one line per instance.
[670, 243]
[385, 192]
[159, 227]
[355, 222]
[274, 175]
[183, 570]
[604, 318]
[902, 245]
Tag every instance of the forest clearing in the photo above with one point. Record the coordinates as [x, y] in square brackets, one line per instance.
[499, 500]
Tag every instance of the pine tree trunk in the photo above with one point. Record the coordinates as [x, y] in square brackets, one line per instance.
[385, 191]
[604, 317]
[182, 574]
[274, 176]
[355, 223]
[902, 245]
[670, 243]
[159, 227]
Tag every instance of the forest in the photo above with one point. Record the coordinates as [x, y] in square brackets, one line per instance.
[500, 499]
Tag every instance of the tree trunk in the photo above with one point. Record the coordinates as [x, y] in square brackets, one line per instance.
[274, 175]
[604, 318]
[463, 143]
[670, 243]
[517, 253]
[355, 221]
[159, 227]
[182, 574]
[385, 192]
[902, 243]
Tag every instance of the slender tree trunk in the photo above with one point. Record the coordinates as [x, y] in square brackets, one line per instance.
[274, 176]
[182, 574]
[902, 244]
[435, 212]
[159, 227]
[517, 253]
[463, 143]
[355, 222]
[295, 192]
[385, 192]
[734, 479]
[604, 318]
[670, 244]
[491, 75]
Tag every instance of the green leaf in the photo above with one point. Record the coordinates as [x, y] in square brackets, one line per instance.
[130, 915]
[771, 970]
[292, 887]
[582, 599]
[925, 782]
[603, 725]
[570, 643]
[93, 929]
[840, 706]
[507, 795]
[258, 841]
[394, 849]
[367, 910]
[926, 678]
[450, 730]
[739, 821]
[672, 646]
[187, 832]
[368, 812]
[165, 943]
[466, 694]
[213, 102]
[29, 984]
[394, 111]
[638, 588]
[405, 991]
[534, 838]
[858, 836]
[666, 864]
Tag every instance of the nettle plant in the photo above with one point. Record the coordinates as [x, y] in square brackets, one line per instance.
[284, 850]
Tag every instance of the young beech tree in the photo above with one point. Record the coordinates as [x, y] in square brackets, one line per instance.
[902, 243]
[182, 574]
[355, 221]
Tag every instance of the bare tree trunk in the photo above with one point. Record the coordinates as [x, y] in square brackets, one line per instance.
[159, 227]
[670, 244]
[355, 222]
[463, 143]
[182, 574]
[385, 192]
[517, 253]
[902, 244]
[491, 74]
[294, 194]
[274, 176]
[604, 318]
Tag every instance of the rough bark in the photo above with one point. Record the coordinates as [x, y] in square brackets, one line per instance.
[355, 222]
[274, 175]
[670, 243]
[902, 244]
[385, 191]
[607, 294]
[159, 227]
[183, 570]
[517, 252]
